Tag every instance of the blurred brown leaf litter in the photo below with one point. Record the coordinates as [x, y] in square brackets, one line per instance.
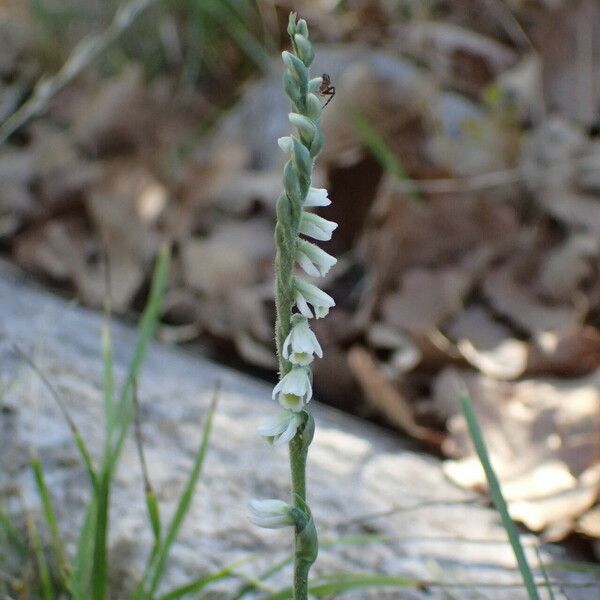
[463, 161]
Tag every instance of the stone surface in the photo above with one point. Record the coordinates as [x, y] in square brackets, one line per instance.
[361, 479]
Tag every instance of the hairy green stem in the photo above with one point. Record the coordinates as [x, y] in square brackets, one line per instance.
[298, 456]
[301, 569]
[288, 220]
[285, 239]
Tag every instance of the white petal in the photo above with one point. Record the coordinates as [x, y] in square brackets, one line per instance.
[307, 266]
[289, 433]
[316, 227]
[277, 390]
[301, 343]
[272, 514]
[275, 425]
[317, 197]
[321, 311]
[294, 390]
[320, 261]
[303, 306]
[268, 506]
[316, 346]
[294, 383]
[313, 294]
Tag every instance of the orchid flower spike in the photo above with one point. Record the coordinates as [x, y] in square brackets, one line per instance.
[296, 300]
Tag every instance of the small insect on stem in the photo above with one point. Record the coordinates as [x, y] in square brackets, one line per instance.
[326, 88]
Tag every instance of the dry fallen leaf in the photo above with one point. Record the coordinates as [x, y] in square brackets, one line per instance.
[573, 208]
[124, 207]
[403, 234]
[516, 302]
[384, 396]
[507, 360]
[569, 71]
[543, 437]
[111, 120]
[457, 56]
[569, 353]
[589, 523]
[406, 355]
[426, 298]
[567, 266]
[233, 255]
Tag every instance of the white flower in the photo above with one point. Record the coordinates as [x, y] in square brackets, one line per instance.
[316, 227]
[307, 293]
[301, 343]
[272, 514]
[281, 428]
[315, 196]
[294, 390]
[313, 260]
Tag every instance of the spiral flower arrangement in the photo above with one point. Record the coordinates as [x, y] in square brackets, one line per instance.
[297, 300]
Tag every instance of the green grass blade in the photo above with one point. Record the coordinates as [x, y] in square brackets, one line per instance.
[547, 582]
[575, 567]
[250, 586]
[58, 547]
[150, 496]
[383, 154]
[40, 558]
[82, 567]
[99, 577]
[344, 582]
[108, 385]
[11, 537]
[224, 13]
[117, 429]
[159, 562]
[356, 539]
[75, 433]
[108, 379]
[199, 584]
[147, 328]
[497, 497]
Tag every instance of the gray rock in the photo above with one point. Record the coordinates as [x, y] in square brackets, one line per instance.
[361, 479]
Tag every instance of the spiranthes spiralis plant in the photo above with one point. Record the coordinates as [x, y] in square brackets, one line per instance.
[297, 300]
